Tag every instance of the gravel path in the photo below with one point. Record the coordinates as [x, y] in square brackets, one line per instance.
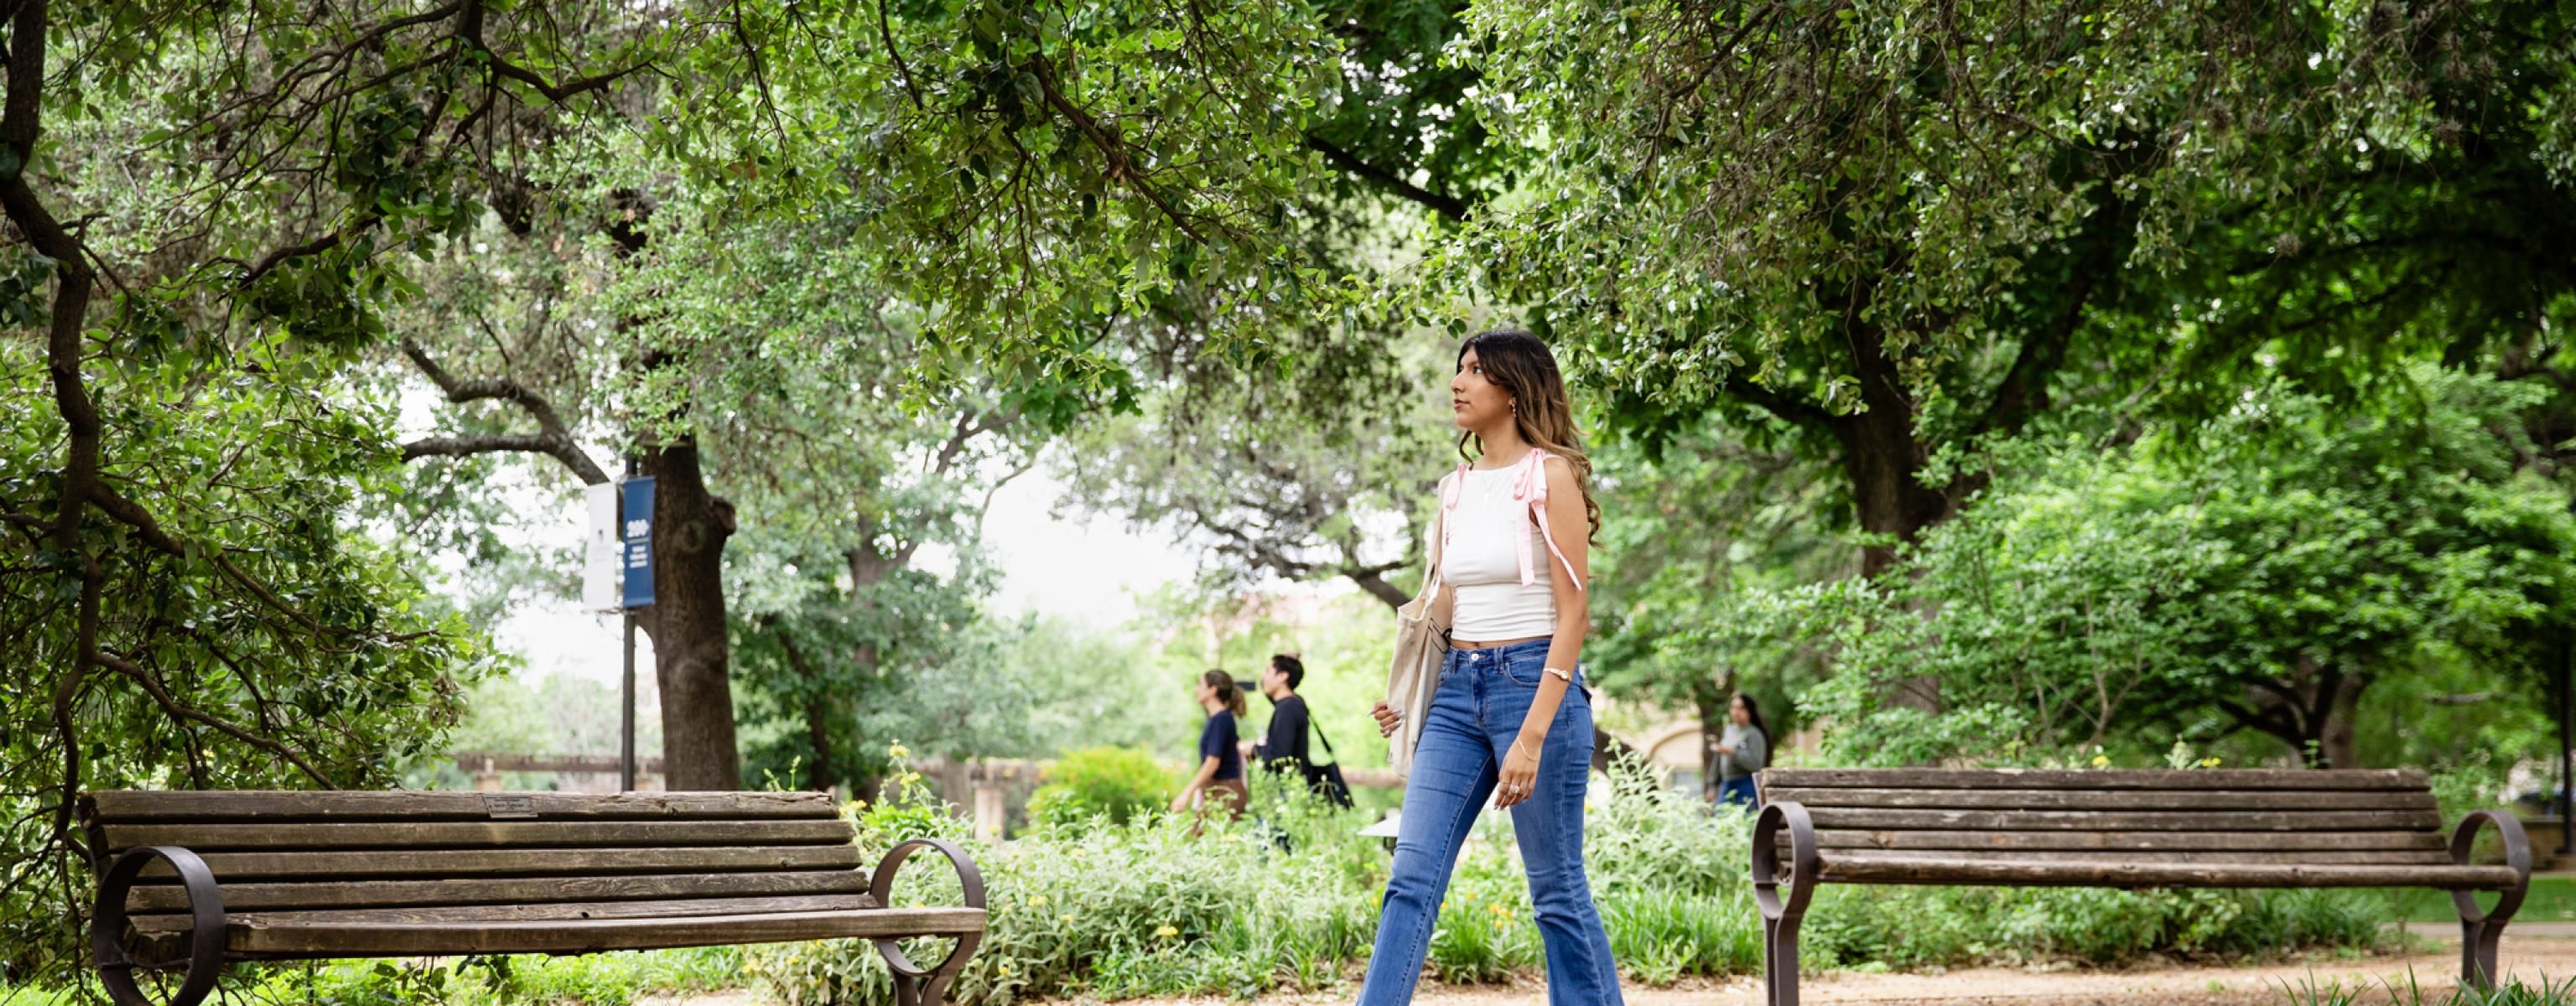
[2531, 959]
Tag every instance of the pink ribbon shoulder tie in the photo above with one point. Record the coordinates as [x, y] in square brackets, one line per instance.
[1448, 503]
[1530, 486]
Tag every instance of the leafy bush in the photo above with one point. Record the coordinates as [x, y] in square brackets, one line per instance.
[1118, 783]
[1288, 899]
[1905, 927]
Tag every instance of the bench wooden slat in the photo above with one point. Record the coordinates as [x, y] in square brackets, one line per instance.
[2372, 857]
[2216, 801]
[529, 913]
[206, 838]
[254, 806]
[590, 935]
[2143, 841]
[1897, 868]
[2188, 779]
[2071, 820]
[390, 893]
[336, 866]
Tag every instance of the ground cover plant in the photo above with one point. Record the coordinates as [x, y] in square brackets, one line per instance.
[1287, 899]
[2545, 992]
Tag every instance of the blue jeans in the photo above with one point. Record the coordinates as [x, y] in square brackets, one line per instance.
[1739, 791]
[1475, 715]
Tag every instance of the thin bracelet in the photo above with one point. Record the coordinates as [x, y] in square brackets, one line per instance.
[1562, 673]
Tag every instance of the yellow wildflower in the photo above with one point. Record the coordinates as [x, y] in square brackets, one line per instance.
[898, 751]
[1167, 932]
[1037, 901]
[1006, 970]
[2101, 760]
[2209, 763]
[1066, 918]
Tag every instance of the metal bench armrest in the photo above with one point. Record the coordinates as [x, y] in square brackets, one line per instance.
[2517, 854]
[206, 934]
[913, 983]
[1774, 818]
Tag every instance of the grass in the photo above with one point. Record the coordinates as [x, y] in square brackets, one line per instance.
[2552, 899]
[2409, 993]
[603, 979]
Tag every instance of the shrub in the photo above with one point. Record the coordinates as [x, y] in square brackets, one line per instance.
[1288, 898]
[1118, 783]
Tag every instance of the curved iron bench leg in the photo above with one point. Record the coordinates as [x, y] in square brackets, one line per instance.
[2482, 932]
[1781, 916]
[206, 932]
[915, 985]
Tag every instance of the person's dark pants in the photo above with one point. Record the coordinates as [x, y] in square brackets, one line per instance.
[1739, 791]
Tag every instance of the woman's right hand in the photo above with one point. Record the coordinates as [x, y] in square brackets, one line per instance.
[1387, 720]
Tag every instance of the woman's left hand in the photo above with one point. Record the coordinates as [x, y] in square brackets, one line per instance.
[1519, 773]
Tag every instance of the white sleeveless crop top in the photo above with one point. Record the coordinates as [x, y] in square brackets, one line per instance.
[1492, 549]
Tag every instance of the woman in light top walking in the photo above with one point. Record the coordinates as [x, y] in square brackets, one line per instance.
[1508, 720]
[1742, 750]
[1220, 774]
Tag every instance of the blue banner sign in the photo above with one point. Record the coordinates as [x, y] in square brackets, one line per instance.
[636, 527]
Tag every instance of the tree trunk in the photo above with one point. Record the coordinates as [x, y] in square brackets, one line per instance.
[691, 658]
[2337, 734]
[818, 731]
[1884, 460]
[1710, 697]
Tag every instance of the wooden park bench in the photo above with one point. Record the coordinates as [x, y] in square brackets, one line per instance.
[192, 881]
[2119, 829]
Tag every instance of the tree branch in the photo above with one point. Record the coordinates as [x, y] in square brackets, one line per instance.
[470, 28]
[133, 515]
[1122, 171]
[554, 439]
[182, 711]
[1449, 207]
[1789, 409]
[886, 32]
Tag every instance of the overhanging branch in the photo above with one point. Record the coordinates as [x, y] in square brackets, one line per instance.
[554, 439]
[1449, 207]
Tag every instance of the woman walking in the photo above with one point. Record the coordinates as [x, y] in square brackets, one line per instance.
[1220, 774]
[1508, 720]
[1742, 750]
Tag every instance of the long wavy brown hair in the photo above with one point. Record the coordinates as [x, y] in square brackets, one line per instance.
[1524, 366]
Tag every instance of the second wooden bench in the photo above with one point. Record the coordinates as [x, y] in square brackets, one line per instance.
[2121, 829]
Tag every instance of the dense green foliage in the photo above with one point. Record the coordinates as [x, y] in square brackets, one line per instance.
[1863, 233]
[1151, 908]
[2143, 594]
[209, 651]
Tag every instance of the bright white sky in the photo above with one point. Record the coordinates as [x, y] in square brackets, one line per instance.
[1088, 571]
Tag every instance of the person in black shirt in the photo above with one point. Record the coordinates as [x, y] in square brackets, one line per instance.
[1283, 747]
[1220, 773]
[1286, 746]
